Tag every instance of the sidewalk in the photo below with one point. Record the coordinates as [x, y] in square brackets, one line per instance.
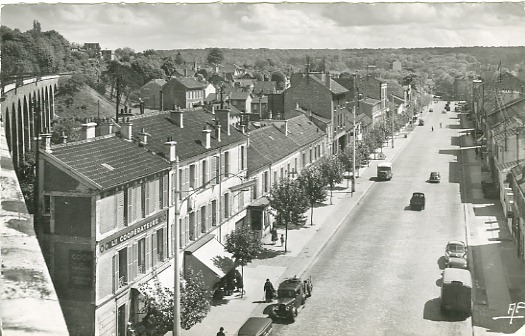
[304, 245]
[499, 276]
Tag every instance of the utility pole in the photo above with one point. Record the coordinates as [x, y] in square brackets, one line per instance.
[392, 117]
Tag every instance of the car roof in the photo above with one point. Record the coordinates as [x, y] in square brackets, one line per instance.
[290, 283]
[457, 275]
[453, 242]
[417, 193]
[384, 164]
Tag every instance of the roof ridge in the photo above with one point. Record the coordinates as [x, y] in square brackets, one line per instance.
[78, 142]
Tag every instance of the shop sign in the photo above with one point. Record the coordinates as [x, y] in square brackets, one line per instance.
[80, 269]
[131, 232]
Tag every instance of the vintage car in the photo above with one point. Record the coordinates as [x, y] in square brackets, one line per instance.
[417, 202]
[435, 177]
[456, 254]
[291, 295]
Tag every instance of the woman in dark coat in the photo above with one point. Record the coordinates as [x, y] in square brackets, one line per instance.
[268, 290]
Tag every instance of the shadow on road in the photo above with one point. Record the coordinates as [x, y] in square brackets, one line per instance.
[270, 253]
[432, 312]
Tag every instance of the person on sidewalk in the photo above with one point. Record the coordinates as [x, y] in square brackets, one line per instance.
[274, 236]
[221, 332]
[440, 125]
[268, 290]
[282, 239]
[432, 128]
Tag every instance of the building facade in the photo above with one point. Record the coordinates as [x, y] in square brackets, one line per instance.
[183, 93]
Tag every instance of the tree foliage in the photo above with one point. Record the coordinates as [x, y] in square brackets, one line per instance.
[157, 302]
[215, 56]
[288, 202]
[312, 182]
[279, 78]
[168, 66]
[244, 246]
[332, 173]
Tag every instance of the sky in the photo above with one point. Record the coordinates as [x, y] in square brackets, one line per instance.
[162, 26]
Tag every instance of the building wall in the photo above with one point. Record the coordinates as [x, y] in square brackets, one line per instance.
[310, 95]
[151, 95]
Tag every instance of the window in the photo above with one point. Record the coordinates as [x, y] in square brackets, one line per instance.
[203, 219]
[141, 266]
[204, 173]
[226, 206]
[181, 183]
[288, 168]
[275, 177]
[173, 188]
[192, 226]
[47, 204]
[214, 212]
[304, 159]
[120, 266]
[121, 320]
[265, 182]
[295, 164]
[242, 158]
[160, 245]
[282, 172]
[192, 176]
[226, 163]
[144, 199]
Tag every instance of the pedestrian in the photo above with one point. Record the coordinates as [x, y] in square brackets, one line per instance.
[274, 236]
[282, 239]
[477, 151]
[239, 283]
[440, 125]
[268, 290]
[432, 128]
[221, 332]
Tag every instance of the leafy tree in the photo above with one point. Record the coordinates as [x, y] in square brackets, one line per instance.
[215, 56]
[168, 66]
[279, 78]
[244, 246]
[288, 202]
[124, 54]
[158, 305]
[259, 76]
[204, 73]
[332, 172]
[179, 59]
[313, 186]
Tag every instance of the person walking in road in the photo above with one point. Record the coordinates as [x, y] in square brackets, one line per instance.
[221, 332]
[440, 125]
[268, 290]
[282, 239]
[274, 236]
[432, 128]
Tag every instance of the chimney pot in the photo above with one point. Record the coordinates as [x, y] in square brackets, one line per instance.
[217, 131]
[88, 130]
[63, 138]
[207, 137]
[143, 136]
[126, 130]
[171, 149]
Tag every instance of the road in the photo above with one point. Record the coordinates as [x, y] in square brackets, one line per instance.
[380, 274]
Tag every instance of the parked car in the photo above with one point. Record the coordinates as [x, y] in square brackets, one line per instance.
[456, 254]
[417, 202]
[456, 292]
[421, 122]
[431, 110]
[291, 294]
[435, 177]
[256, 326]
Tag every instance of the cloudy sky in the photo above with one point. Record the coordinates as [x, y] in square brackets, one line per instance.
[277, 25]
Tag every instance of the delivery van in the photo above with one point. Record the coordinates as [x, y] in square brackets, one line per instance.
[456, 291]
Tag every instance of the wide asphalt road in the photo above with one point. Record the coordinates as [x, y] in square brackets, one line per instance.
[380, 274]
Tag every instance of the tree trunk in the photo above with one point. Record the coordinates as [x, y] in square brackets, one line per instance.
[242, 276]
[312, 214]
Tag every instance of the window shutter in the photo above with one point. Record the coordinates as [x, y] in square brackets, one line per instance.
[173, 188]
[208, 221]
[165, 191]
[154, 243]
[213, 170]
[239, 159]
[147, 248]
[130, 213]
[115, 273]
[147, 209]
[120, 208]
[223, 165]
[164, 245]
[206, 172]
[186, 181]
[132, 263]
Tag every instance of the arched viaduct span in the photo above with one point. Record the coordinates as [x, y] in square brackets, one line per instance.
[27, 110]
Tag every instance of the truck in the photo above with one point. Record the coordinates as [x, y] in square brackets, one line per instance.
[384, 171]
[456, 291]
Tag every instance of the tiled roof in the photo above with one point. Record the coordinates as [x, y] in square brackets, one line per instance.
[506, 128]
[335, 87]
[245, 81]
[370, 101]
[189, 138]
[262, 100]
[109, 161]
[268, 145]
[302, 131]
[370, 87]
[395, 89]
[239, 95]
[509, 165]
[190, 83]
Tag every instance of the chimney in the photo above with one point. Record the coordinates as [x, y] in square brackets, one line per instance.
[217, 130]
[88, 130]
[224, 119]
[171, 149]
[143, 136]
[46, 142]
[177, 116]
[63, 138]
[286, 128]
[185, 72]
[297, 105]
[106, 127]
[126, 129]
[328, 80]
[243, 128]
[207, 137]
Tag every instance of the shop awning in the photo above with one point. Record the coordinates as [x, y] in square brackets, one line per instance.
[208, 255]
[261, 202]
